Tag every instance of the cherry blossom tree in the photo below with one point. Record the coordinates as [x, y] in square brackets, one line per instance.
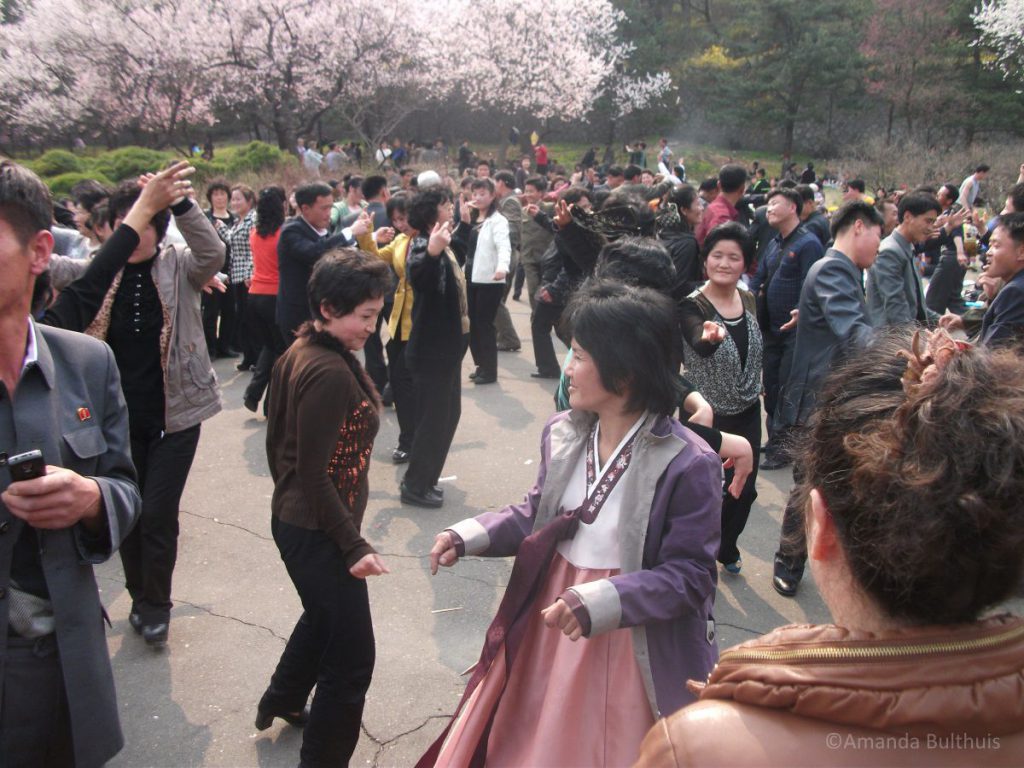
[293, 60]
[119, 66]
[1001, 24]
[546, 59]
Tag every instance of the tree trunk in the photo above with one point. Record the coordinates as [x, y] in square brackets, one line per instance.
[789, 127]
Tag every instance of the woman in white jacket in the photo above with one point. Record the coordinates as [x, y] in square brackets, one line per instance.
[489, 250]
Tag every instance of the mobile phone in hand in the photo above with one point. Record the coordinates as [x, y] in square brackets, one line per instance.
[26, 466]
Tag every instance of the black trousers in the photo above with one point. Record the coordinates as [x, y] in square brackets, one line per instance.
[735, 512]
[945, 289]
[517, 284]
[241, 338]
[483, 300]
[149, 552]
[778, 359]
[218, 311]
[376, 367]
[543, 320]
[331, 647]
[791, 556]
[35, 724]
[403, 390]
[438, 410]
[266, 337]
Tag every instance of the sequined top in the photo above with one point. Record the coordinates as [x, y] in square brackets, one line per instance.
[320, 430]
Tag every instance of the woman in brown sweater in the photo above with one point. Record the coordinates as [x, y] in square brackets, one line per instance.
[320, 429]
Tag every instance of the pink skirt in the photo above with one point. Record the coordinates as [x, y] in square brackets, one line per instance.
[567, 703]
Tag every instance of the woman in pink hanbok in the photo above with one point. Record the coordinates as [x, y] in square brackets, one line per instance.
[608, 611]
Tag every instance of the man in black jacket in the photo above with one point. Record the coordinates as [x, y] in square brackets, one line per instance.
[302, 242]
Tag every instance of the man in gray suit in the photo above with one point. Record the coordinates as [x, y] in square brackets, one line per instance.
[895, 292]
[57, 702]
[833, 319]
[509, 207]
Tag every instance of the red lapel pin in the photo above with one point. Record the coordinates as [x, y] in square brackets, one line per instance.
[83, 414]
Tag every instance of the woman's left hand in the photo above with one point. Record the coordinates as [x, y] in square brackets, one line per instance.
[559, 615]
[499, 276]
[369, 565]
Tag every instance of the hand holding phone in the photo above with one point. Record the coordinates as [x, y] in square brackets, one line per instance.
[26, 466]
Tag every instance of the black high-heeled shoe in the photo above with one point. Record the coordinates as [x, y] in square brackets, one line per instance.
[265, 718]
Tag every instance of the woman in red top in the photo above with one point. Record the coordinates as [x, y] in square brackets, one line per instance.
[262, 305]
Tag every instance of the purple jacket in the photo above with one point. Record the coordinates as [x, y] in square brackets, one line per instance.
[669, 539]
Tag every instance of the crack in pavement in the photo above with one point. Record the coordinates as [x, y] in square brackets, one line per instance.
[215, 521]
[473, 578]
[737, 626]
[381, 745]
[204, 609]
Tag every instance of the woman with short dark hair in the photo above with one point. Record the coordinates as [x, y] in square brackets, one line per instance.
[489, 247]
[324, 415]
[722, 352]
[615, 543]
[911, 492]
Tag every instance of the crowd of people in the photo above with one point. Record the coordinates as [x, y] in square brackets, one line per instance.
[694, 319]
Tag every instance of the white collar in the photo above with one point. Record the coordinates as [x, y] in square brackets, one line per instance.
[31, 348]
[320, 232]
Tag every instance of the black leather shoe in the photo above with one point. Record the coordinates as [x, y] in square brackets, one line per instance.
[427, 499]
[398, 456]
[265, 718]
[474, 374]
[227, 352]
[482, 379]
[434, 493]
[785, 586]
[135, 620]
[546, 375]
[251, 405]
[774, 462]
[438, 491]
[507, 348]
[155, 635]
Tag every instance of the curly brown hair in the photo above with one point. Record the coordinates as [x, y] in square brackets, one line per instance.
[926, 489]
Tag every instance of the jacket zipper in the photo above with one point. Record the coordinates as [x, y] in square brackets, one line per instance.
[842, 652]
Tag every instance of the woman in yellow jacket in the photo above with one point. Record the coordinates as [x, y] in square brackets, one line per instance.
[399, 325]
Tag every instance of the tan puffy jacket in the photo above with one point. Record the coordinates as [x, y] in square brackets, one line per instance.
[827, 696]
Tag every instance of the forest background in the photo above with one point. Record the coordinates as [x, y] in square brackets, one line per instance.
[888, 89]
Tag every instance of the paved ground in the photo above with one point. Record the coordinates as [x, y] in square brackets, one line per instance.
[193, 703]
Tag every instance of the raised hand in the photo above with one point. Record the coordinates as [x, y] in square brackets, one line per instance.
[562, 214]
[440, 237]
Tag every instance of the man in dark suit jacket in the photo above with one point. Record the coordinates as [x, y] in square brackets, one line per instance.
[1004, 320]
[57, 701]
[833, 318]
[302, 242]
[895, 293]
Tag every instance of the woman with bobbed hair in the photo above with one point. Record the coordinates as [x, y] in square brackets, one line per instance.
[912, 492]
[723, 354]
[609, 605]
[324, 416]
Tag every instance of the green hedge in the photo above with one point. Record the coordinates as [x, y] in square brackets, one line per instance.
[56, 162]
[127, 162]
[61, 184]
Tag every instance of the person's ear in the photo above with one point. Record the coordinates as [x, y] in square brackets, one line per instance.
[326, 312]
[822, 537]
[40, 248]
